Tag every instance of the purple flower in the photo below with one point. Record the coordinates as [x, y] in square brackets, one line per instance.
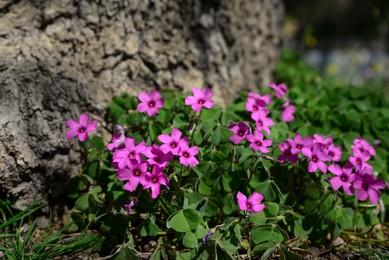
[187, 156]
[288, 110]
[118, 138]
[150, 103]
[253, 204]
[256, 102]
[132, 174]
[343, 178]
[128, 207]
[368, 187]
[156, 156]
[154, 180]
[201, 98]
[80, 128]
[122, 157]
[258, 143]
[262, 122]
[362, 145]
[299, 143]
[207, 236]
[321, 139]
[359, 159]
[317, 157]
[280, 89]
[287, 154]
[334, 152]
[240, 131]
[173, 143]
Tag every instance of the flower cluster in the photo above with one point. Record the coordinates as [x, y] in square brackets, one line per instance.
[317, 149]
[354, 176]
[141, 164]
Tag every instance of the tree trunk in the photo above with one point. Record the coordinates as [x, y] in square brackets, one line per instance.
[60, 58]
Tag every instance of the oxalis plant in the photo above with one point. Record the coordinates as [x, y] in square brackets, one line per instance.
[183, 178]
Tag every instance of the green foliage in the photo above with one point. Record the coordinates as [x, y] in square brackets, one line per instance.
[22, 239]
[198, 216]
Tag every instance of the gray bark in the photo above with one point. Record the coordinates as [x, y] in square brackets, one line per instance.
[61, 58]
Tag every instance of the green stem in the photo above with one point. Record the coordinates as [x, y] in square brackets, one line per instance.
[196, 121]
[249, 234]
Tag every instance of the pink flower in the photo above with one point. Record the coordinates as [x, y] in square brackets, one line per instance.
[253, 204]
[321, 139]
[150, 103]
[317, 157]
[201, 98]
[368, 187]
[285, 147]
[118, 138]
[359, 159]
[240, 132]
[173, 143]
[343, 178]
[156, 156]
[362, 145]
[288, 110]
[280, 89]
[258, 143]
[262, 122]
[154, 180]
[80, 128]
[299, 143]
[122, 157]
[334, 152]
[132, 174]
[187, 156]
[256, 102]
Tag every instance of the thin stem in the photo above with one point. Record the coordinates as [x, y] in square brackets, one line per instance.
[191, 131]
[248, 234]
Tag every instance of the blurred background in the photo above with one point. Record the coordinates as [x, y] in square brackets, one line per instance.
[340, 38]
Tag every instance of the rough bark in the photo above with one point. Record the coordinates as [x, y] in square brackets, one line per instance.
[63, 57]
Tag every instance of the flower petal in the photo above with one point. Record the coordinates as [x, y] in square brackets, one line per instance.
[255, 198]
[242, 200]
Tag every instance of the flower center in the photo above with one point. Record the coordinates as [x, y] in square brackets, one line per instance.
[259, 123]
[343, 178]
[286, 153]
[258, 143]
[314, 159]
[157, 159]
[82, 129]
[186, 155]
[137, 172]
[299, 146]
[255, 108]
[131, 154]
[151, 104]
[201, 102]
[155, 180]
[331, 154]
[173, 145]
[358, 161]
[365, 186]
[248, 206]
[240, 133]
